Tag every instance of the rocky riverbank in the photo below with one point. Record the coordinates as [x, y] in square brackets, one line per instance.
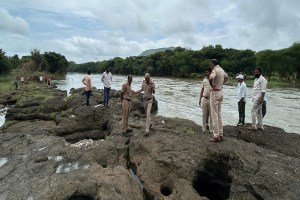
[54, 147]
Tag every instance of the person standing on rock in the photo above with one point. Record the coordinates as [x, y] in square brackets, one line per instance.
[204, 102]
[259, 90]
[217, 78]
[241, 97]
[148, 87]
[87, 81]
[106, 80]
[126, 104]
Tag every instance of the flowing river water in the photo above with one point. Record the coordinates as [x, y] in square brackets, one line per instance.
[179, 98]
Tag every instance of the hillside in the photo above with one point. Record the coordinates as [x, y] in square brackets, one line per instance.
[153, 51]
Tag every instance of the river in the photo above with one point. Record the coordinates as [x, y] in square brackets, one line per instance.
[179, 98]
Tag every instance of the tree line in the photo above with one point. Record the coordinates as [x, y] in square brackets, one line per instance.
[181, 62]
[49, 62]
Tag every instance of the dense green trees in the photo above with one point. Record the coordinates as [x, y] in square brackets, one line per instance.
[179, 62]
[5, 64]
[182, 62]
[50, 62]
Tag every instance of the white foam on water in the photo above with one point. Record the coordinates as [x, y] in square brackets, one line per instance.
[30, 198]
[3, 161]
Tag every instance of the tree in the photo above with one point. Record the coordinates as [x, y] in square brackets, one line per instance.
[5, 64]
[266, 60]
[57, 63]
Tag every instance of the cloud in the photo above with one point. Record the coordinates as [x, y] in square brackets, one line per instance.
[13, 24]
[104, 29]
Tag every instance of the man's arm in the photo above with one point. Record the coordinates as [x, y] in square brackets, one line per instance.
[201, 94]
[263, 90]
[102, 78]
[225, 78]
[83, 81]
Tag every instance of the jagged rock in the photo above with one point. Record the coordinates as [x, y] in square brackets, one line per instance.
[80, 153]
[56, 104]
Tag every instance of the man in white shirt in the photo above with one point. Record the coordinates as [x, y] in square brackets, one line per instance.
[241, 97]
[106, 80]
[259, 90]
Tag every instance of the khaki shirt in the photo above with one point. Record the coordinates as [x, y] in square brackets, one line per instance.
[206, 87]
[218, 75]
[148, 89]
[88, 82]
[126, 89]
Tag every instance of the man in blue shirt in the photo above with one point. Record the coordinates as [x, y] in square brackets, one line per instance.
[241, 97]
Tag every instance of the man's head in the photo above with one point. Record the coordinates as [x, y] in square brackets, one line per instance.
[147, 78]
[107, 70]
[213, 63]
[89, 72]
[240, 78]
[129, 79]
[257, 72]
[207, 72]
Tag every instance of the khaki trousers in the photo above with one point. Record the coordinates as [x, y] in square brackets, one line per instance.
[216, 99]
[148, 106]
[205, 103]
[126, 110]
[256, 112]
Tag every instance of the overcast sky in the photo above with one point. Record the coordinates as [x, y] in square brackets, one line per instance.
[95, 30]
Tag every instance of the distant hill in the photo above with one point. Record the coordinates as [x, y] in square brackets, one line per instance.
[153, 51]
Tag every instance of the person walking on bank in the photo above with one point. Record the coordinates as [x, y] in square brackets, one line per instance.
[106, 80]
[241, 96]
[204, 102]
[259, 90]
[148, 87]
[87, 81]
[126, 104]
[217, 78]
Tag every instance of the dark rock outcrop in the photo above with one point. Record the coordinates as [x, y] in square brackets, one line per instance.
[79, 153]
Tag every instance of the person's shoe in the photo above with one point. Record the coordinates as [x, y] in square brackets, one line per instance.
[260, 128]
[221, 138]
[150, 125]
[240, 124]
[123, 132]
[146, 134]
[129, 130]
[207, 127]
[215, 139]
[252, 128]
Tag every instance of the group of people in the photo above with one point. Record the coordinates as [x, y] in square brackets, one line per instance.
[211, 98]
[148, 87]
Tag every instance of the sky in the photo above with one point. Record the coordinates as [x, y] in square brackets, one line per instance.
[95, 30]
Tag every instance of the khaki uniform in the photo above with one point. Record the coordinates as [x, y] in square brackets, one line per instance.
[148, 89]
[126, 104]
[205, 104]
[216, 98]
[88, 82]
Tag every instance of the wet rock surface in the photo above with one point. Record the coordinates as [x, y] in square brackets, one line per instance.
[66, 150]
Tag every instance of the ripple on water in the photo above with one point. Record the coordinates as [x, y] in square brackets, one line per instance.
[3, 161]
